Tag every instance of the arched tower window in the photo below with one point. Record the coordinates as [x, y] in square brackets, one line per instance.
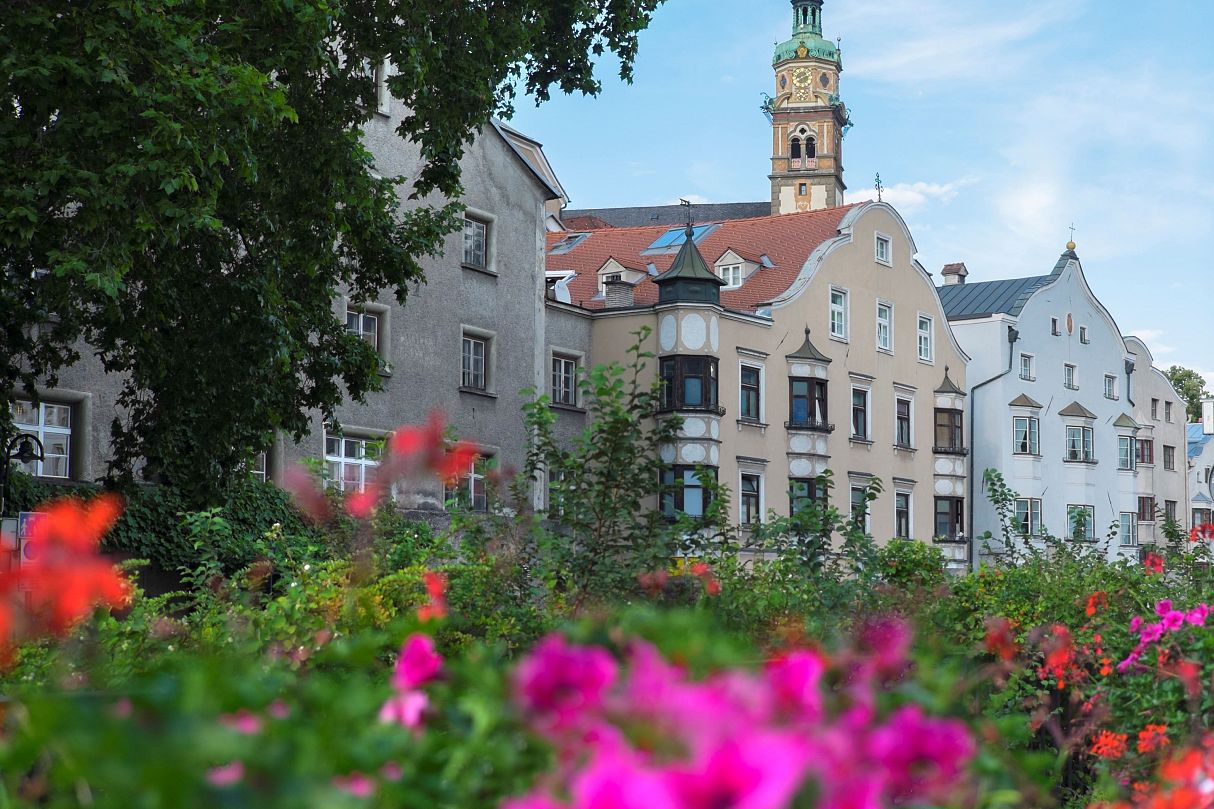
[811, 148]
[794, 149]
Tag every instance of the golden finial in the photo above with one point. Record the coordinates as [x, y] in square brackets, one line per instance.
[1070, 245]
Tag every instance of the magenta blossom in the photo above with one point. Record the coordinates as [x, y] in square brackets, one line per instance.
[356, 784]
[887, 644]
[755, 771]
[619, 782]
[404, 708]
[1197, 615]
[1163, 607]
[921, 755]
[1173, 620]
[418, 663]
[560, 684]
[226, 775]
[1151, 633]
[796, 680]
[243, 721]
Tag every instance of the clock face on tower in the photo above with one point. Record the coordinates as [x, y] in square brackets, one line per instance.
[801, 77]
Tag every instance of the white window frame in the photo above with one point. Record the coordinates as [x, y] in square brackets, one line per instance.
[868, 506]
[930, 341]
[1028, 367]
[1089, 529]
[880, 239]
[476, 473]
[909, 399]
[571, 377]
[1070, 376]
[868, 413]
[1087, 440]
[1127, 536]
[383, 98]
[359, 327]
[259, 469]
[46, 434]
[1033, 509]
[1110, 386]
[1126, 443]
[744, 473]
[360, 460]
[841, 310]
[750, 363]
[1033, 435]
[731, 274]
[887, 345]
[910, 513]
[489, 339]
[1167, 411]
[1083, 335]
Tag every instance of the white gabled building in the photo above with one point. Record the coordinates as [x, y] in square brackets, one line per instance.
[1052, 390]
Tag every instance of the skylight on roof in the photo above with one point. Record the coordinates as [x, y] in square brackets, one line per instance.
[568, 243]
[676, 236]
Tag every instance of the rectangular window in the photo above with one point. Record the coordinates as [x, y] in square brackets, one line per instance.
[1127, 455]
[1054, 327]
[950, 433]
[885, 327]
[1169, 510]
[950, 517]
[883, 250]
[475, 352]
[1027, 372]
[470, 489]
[749, 392]
[1110, 386]
[859, 508]
[476, 235]
[1082, 522]
[1069, 378]
[383, 96]
[902, 422]
[1083, 335]
[1169, 458]
[749, 500]
[838, 314]
[1155, 409]
[1146, 451]
[1146, 509]
[689, 382]
[348, 461]
[926, 349]
[902, 515]
[807, 402]
[52, 425]
[731, 274]
[259, 468]
[1079, 444]
[683, 491]
[1129, 529]
[1026, 435]
[564, 379]
[859, 413]
[364, 325]
[1167, 412]
[1028, 516]
[803, 491]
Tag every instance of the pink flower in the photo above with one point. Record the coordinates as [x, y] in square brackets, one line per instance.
[922, 756]
[418, 663]
[1135, 623]
[559, 683]
[356, 784]
[1151, 633]
[278, 709]
[618, 782]
[362, 504]
[226, 775]
[755, 771]
[1163, 607]
[391, 772]
[121, 709]
[532, 802]
[1197, 615]
[1173, 620]
[1125, 665]
[887, 641]
[243, 721]
[796, 678]
[404, 708]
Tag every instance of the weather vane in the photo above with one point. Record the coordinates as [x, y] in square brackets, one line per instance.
[687, 202]
[880, 188]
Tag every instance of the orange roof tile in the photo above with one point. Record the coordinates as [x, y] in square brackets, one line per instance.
[787, 240]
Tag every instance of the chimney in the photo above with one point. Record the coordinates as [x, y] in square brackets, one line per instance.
[954, 274]
[618, 294]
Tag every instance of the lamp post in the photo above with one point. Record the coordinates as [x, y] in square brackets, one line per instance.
[23, 448]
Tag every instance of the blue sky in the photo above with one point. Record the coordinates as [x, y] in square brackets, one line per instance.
[994, 126]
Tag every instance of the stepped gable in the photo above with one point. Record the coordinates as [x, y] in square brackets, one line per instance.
[786, 240]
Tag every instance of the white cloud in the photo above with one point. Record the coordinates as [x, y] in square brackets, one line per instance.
[910, 198]
[694, 199]
[1152, 337]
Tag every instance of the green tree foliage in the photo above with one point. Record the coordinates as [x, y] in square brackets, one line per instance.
[185, 190]
[1192, 389]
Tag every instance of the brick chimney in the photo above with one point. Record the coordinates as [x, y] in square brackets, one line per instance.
[954, 274]
[618, 294]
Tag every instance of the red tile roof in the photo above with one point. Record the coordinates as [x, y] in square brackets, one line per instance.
[787, 240]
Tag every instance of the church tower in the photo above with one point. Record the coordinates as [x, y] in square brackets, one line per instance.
[807, 117]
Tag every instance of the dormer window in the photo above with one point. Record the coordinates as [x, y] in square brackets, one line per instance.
[731, 274]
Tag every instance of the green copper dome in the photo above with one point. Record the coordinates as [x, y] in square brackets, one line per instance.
[807, 33]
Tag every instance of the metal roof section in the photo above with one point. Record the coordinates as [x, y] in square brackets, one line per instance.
[1197, 439]
[633, 217]
[949, 386]
[689, 264]
[531, 153]
[1125, 420]
[1076, 410]
[985, 298]
[808, 351]
[1025, 401]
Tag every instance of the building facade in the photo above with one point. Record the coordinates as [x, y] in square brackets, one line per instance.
[789, 345]
[1053, 394]
[1200, 475]
[1160, 447]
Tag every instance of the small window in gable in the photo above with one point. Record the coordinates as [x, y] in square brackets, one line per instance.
[731, 274]
[883, 250]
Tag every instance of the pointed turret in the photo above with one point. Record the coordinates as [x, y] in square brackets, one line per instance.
[689, 280]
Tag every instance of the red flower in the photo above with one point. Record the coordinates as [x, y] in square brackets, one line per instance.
[1153, 563]
[456, 462]
[1096, 600]
[436, 591]
[1200, 532]
[1109, 745]
[1000, 638]
[703, 572]
[653, 582]
[361, 504]
[1152, 738]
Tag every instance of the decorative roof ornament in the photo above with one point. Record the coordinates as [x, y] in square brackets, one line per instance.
[808, 351]
[949, 386]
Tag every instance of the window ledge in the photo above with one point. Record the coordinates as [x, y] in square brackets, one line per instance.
[1084, 461]
[1131, 471]
[1071, 387]
[855, 439]
[838, 339]
[481, 270]
[714, 410]
[1028, 378]
[926, 362]
[887, 351]
[478, 392]
[962, 451]
[1148, 465]
[1036, 456]
[809, 426]
[762, 425]
[568, 408]
[905, 448]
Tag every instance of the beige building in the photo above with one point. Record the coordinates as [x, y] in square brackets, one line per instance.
[1161, 445]
[789, 345]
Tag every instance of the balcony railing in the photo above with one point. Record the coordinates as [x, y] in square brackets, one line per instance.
[950, 450]
[716, 410]
[810, 426]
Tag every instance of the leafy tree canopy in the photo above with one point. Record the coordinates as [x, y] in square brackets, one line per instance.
[184, 190]
[1192, 389]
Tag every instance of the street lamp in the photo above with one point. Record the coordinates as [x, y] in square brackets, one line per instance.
[23, 448]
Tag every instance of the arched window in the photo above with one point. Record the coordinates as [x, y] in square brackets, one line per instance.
[805, 16]
[794, 150]
[811, 148]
